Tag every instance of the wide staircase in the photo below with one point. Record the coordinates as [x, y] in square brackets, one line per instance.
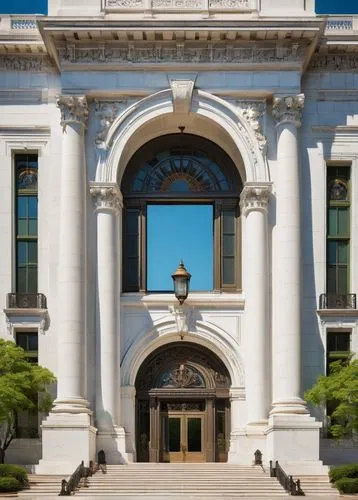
[214, 480]
[42, 485]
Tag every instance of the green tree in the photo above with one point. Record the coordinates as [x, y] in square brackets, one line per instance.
[20, 384]
[341, 388]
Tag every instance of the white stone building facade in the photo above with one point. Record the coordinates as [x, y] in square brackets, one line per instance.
[271, 99]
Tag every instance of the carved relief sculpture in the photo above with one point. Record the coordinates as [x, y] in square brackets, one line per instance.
[288, 108]
[73, 109]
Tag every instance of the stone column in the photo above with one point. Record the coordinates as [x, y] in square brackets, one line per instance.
[111, 437]
[67, 434]
[287, 332]
[292, 435]
[254, 203]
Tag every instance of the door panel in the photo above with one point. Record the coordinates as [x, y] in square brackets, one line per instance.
[183, 437]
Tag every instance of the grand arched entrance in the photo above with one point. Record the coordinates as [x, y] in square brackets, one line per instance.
[182, 406]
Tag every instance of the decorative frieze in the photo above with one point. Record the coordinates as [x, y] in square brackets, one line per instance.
[178, 4]
[229, 4]
[107, 112]
[74, 109]
[288, 108]
[181, 4]
[334, 62]
[188, 53]
[25, 63]
[255, 196]
[106, 196]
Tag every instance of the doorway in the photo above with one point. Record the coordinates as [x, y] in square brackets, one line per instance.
[183, 437]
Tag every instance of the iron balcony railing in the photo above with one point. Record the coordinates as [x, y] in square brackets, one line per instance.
[26, 301]
[338, 301]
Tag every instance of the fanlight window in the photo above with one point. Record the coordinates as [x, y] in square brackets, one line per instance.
[181, 169]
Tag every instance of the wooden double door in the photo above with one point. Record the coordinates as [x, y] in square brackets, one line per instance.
[183, 436]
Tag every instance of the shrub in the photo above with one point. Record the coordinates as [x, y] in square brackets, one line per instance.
[9, 484]
[16, 472]
[347, 485]
[342, 471]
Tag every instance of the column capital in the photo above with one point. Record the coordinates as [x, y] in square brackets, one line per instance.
[288, 109]
[74, 109]
[106, 196]
[255, 196]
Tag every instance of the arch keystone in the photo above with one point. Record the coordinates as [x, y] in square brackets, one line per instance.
[182, 92]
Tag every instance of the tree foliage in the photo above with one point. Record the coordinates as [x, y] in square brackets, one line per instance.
[341, 388]
[20, 384]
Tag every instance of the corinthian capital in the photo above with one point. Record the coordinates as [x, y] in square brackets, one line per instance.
[106, 196]
[255, 196]
[73, 109]
[288, 108]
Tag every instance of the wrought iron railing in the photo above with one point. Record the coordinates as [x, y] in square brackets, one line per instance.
[26, 301]
[82, 473]
[337, 301]
[291, 486]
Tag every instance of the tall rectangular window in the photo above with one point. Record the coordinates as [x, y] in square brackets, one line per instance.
[26, 168]
[338, 230]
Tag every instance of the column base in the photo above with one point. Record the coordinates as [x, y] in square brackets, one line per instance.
[296, 406]
[244, 442]
[294, 439]
[113, 443]
[67, 439]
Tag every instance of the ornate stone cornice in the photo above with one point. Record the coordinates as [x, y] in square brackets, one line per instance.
[106, 196]
[74, 109]
[288, 108]
[255, 196]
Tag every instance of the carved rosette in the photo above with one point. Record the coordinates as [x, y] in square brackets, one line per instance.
[288, 109]
[255, 197]
[106, 197]
[74, 109]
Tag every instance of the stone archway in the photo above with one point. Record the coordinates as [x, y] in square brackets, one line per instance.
[182, 405]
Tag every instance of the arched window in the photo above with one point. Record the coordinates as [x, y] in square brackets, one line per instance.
[173, 171]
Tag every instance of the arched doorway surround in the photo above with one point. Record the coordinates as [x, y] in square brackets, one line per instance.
[153, 116]
[182, 405]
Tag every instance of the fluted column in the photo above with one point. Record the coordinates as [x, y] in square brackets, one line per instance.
[71, 269]
[254, 203]
[287, 331]
[108, 202]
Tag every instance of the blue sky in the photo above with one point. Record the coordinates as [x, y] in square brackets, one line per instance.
[40, 6]
[176, 232]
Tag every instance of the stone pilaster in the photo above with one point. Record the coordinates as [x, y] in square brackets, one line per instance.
[67, 434]
[289, 415]
[254, 205]
[111, 437]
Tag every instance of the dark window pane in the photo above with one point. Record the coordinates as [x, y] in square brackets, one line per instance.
[33, 342]
[229, 221]
[194, 434]
[33, 227]
[21, 252]
[174, 434]
[343, 252]
[22, 227]
[343, 221]
[21, 206]
[32, 208]
[32, 251]
[228, 270]
[332, 252]
[332, 226]
[21, 279]
[229, 245]
[21, 340]
[342, 280]
[131, 273]
[331, 279]
[32, 280]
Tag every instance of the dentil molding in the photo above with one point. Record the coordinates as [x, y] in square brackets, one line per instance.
[106, 196]
[288, 109]
[255, 196]
[74, 109]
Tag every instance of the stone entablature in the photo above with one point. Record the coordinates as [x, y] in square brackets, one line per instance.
[180, 5]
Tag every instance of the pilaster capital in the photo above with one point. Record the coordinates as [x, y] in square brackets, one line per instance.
[237, 394]
[255, 196]
[288, 109]
[106, 196]
[74, 109]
